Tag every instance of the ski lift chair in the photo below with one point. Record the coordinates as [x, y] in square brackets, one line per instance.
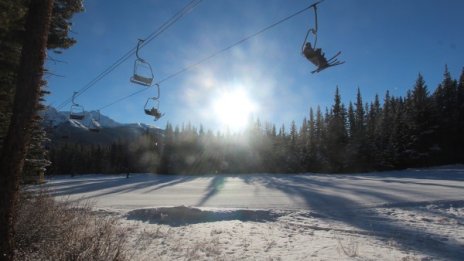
[152, 108]
[76, 111]
[94, 124]
[143, 73]
[315, 55]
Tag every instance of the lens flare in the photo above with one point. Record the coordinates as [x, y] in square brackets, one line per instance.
[233, 109]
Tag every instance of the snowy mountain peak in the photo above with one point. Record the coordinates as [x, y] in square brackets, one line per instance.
[54, 117]
[61, 127]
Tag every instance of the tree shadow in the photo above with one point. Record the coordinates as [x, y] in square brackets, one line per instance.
[339, 203]
[101, 185]
[452, 173]
[215, 186]
[182, 216]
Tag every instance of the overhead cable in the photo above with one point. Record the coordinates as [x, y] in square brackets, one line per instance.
[188, 67]
[185, 10]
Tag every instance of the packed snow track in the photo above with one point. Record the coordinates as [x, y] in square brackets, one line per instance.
[397, 215]
[321, 193]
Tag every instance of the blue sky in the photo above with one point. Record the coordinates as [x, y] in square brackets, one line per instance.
[385, 45]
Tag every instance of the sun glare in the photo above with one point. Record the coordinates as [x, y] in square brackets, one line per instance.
[233, 109]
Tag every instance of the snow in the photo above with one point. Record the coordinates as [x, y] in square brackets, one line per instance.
[416, 214]
[77, 124]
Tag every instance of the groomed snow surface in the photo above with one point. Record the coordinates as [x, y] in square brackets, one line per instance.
[400, 215]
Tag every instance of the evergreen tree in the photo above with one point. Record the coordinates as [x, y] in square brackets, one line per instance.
[460, 121]
[27, 28]
[372, 145]
[321, 158]
[447, 117]
[27, 91]
[36, 160]
[311, 151]
[399, 136]
[357, 146]
[293, 155]
[420, 125]
[385, 135]
[167, 151]
[337, 135]
[303, 144]
[351, 120]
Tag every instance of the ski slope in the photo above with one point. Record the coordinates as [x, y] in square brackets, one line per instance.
[328, 193]
[416, 213]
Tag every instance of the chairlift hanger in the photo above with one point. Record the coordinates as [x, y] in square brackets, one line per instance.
[76, 111]
[315, 55]
[143, 73]
[312, 30]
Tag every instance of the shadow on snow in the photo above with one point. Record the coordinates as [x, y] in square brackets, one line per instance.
[181, 216]
[339, 203]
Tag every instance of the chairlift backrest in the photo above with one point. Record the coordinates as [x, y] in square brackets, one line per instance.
[312, 30]
[76, 112]
[314, 54]
[143, 73]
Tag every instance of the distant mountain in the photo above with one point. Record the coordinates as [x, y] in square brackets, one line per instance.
[62, 129]
[53, 117]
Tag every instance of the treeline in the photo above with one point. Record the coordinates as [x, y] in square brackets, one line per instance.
[140, 155]
[421, 129]
[418, 130]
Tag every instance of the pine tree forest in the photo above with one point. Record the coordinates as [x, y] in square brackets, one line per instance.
[421, 129]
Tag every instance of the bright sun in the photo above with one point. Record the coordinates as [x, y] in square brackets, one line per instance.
[233, 109]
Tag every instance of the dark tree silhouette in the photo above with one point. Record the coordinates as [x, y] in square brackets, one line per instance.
[25, 104]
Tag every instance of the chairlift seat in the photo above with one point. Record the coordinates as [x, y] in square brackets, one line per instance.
[314, 54]
[148, 112]
[323, 63]
[154, 112]
[76, 116]
[138, 79]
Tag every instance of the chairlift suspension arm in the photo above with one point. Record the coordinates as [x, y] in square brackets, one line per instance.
[158, 89]
[315, 25]
[312, 30]
[137, 51]
[73, 97]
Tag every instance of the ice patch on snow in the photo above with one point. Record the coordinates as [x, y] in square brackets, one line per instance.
[181, 215]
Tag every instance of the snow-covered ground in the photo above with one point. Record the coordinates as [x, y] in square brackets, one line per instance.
[400, 215]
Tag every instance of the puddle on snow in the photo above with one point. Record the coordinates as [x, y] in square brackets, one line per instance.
[181, 216]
